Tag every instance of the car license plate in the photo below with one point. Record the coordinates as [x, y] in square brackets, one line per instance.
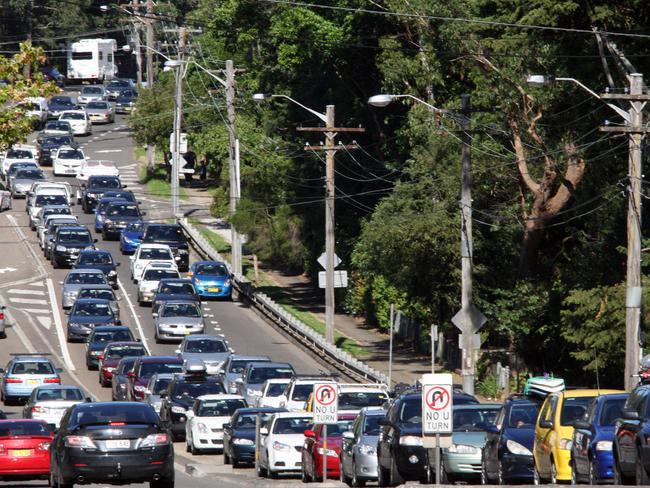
[33, 382]
[187, 332]
[214, 290]
[21, 452]
[118, 444]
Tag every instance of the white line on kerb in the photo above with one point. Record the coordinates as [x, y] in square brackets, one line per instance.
[135, 314]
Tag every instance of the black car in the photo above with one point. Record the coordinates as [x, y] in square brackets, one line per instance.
[100, 337]
[68, 242]
[180, 396]
[112, 442]
[122, 194]
[116, 87]
[50, 143]
[98, 259]
[174, 237]
[508, 451]
[117, 216]
[125, 102]
[59, 104]
[94, 189]
[85, 315]
[632, 439]
[239, 434]
[173, 289]
[120, 376]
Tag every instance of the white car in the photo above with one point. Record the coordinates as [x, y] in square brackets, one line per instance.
[272, 393]
[297, 392]
[50, 196]
[281, 443]
[92, 93]
[151, 276]
[92, 167]
[79, 121]
[355, 396]
[50, 402]
[204, 426]
[147, 253]
[19, 154]
[42, 228]
[67, 161]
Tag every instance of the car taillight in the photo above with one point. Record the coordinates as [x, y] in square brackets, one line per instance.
[80, 441]
[39, 409]
[44, 446]
[52, 380]
[2, 315]
[13, 380]
[100, 357]
[2, 449]
[117, 423]
[155, 440]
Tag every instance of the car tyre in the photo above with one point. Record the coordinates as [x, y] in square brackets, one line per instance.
[641, 474]
[194, 450]
[501, 479]
[162, 484]
[226, 458]
[553, 472]
[382, 476]
[259, 470]
[593, 480]
[396, 478]
[304, 477]
[537, 480]
[484, 476]
[272, 474]
[574, 474]
[355, 481]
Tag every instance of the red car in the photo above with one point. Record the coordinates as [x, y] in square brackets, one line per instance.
[113, 353]
[25, 449]
[312, 449]
[145, 368]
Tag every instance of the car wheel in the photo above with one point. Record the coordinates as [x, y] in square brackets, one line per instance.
[592, 473]
[355, 479]
[484, 475]
[259, 470]
[382, 476]
[194, 450]
[574, 474]
[642, 477]
[272, 474]
[553, 472]
[501, 479]
[187, 446]
[162, 484]
[396, 478]
[537, 480]
[304, 477]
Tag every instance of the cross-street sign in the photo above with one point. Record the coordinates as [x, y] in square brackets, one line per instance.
[322, 260]
[326, 403]
[340, 279]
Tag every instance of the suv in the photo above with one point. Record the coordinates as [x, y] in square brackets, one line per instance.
[68, 242]
[173, 236]
[250, 384]
[145, 367]
[94, 189]
[631, 446]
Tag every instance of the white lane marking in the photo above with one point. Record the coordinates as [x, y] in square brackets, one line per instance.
[24, 292]
[30, 301]
[37, 283]
[59, 327]
[217, 328]
[132, 165]
[45, 321]
[34, 310]
[106, 151]
[7, 270]
[135, 314]
[208, 315]
[19, 332]
[214, 322]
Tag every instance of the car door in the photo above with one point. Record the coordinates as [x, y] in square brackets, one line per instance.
[582, 439]
[493, 443]
[627, 431]
[543, 436]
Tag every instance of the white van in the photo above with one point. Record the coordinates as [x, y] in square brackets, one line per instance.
[36, 108]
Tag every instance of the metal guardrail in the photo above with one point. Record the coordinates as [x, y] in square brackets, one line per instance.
[339, 359]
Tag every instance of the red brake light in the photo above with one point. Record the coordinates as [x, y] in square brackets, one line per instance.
[100, 357]
[2, 315]
[39, 409]
[13, 380]
[52, 380]
[130, 374]
[117, 423]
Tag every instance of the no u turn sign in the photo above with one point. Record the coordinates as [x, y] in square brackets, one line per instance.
[437, 401]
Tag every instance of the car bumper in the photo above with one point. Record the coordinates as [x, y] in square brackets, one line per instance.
[285, 460]
[213, 440]
[68, 259]
[65, 170]
[517, 467]
[25, 467]
[412, 462]
[79, 332]
[178, 334]
[178, 425]
[240, 453]
[50, 418]
[105, 374]
[128, 246]
[604, 461]
[100, 118]
[467, 465]
[68, 300]
[214, 291]
[333, 466]
[17, 390]
[366, 466]
[92, 360]
[146, 296]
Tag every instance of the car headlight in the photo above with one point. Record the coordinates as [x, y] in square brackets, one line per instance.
[516, 448]
[109, 369]
[177, 409]
[604, 446]
[238, 441]
[367, 449]
[462, 449]
[112, 273]
[138, 266]
[107, 221]
[279, 446]
[182, 251]
[565, 444]
[327, 452]
[202, 428]
[75, 325]
[70, 294]
[410, 440]
[61, 248]
[95, 353]
[226, 283]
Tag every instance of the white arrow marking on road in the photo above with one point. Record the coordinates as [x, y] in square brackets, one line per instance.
[5, 270]
[25, 292]
[29, 301]
[105, 151]
[45, 321]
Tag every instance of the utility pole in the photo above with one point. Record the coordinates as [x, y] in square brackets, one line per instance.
[633, 300]
[138, 53]
[178, 119]
[150, 42]
[330, 149]
[234, 167]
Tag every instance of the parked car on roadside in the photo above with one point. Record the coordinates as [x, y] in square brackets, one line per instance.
[358, 458]
[313, 450]
[205, 421]
[631, 439]
[281, 443]
[239, 434]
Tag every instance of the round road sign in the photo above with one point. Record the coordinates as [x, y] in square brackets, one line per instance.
[325, 395]
[438, 397]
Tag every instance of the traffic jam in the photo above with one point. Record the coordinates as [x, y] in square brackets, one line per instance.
[145, 375]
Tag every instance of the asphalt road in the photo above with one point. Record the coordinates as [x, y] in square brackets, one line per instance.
[31, 290]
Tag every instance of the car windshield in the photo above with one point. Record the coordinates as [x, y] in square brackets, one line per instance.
[238, 366]
[220, 408]
[523, 416]
[155, 254]
[260, 375]
[91, 90]
[59, 140]
[176, 288]
[292, 425]
[103, 205]
[275, 389]
[104, 183]
[96, 293]
[159, 274]
[573, 408]
[205, 346]
[165, 233]
[134, 227]
[82, 236]
[99, 105]
[337, 429]
[57, 211]
[91, 309]
[73, 116]
[126, 365]
[211, 269]
[125, 351]
[411, 411]
[32, 367]
[110, 413]
[113, 336]
[371, 424]
[57, 125]
[30, 174]
[160, 386]
[123, 210]
[70, 154]
[181, 310]
[95, 258]
[301, 392]
[50, 200]
[58, 223]
[474, 419]
[17, 428]
[611, 411]
[193, 390]
[124, 195]
[19, 154]
[59, 394]
[359, 399]
[85, 279]
[247, 421]
[147, 370]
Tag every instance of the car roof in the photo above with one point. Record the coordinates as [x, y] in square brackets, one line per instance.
[278, 380]
[240, 357]
[160, 359]
[113, 200]
[75, 227]
[160, 264]
[220, 396]
[176, 280]
[110, 328]
[154, 246]
[97, 287]
[184, 302]
[586, 392]
[197, 337]
[28, 358]
[84, 271]
[477, 406]
[58, 387]
[613, 396]
[123, 343]
[163, 376]
[94, 251]
[260, 410]
[208, 262]
[294, 415]
[90, 300]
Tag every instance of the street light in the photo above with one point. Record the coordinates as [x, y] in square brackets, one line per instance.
[634, 128]
[384, 99]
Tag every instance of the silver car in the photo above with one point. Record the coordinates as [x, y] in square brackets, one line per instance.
[156, 389]
[92, 93]
[21, 183]
[78, 279]
[212, 350]
[100, 112]
[359, 448]
[103, 292]
[176, 319]
[234, 369]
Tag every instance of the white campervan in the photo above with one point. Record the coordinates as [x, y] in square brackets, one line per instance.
[92, 60]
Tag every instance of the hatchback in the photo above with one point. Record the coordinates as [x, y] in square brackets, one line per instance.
[25, 449]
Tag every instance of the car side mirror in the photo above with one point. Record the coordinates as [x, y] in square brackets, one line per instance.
[226, 426]
[154, 314]
[125, 186]
[132, 258]
[310, 434]
[264, 431]
[143, 213]
[582, 424]
[177, 351]
[117, 264]
[546, 424]
[348, 436]
[384, 422]
[130, 374]
[239, 381]
[630, 414]
[89, 400]
[95, 240]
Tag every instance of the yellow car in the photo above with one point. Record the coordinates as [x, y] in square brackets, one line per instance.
[554, 431]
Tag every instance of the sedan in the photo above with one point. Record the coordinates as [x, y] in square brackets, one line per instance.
[78, 279]
[177, 319]
[117, 216]
[211, 279]
[239, 434]
[25, 449]
[85, 315]
[173, 289]
[120, 376]
[79, 121]
[96, 167]
[49, 403]
[101, 260]
[359, 448]
[100, 112]
[100, 338]
[125, 102]
[54, 128]
[113, 353]
[314, 449]
[22, 181]
[104, 292]
[131, 237]
[67, 160]
[204, 426]
[24, 373]
[92, 93]
[105, 442]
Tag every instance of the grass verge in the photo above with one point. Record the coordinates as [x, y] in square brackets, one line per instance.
[157, 184]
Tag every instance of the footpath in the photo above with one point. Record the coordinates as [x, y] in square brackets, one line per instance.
[367, 343]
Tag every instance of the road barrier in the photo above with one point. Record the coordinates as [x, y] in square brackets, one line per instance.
[339, 359]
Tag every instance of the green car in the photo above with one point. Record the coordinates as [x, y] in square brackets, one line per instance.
[462, 461]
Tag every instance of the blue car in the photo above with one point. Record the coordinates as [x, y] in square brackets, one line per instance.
[592, 458]
[23, 373]
[100, 211]
[131, 237]
[508, 450]
[123, 194]
[212, 279]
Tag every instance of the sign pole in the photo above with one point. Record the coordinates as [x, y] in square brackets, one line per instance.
[390, 347]
[326, 412]
[437, 418]
[437, 448]
[325, 453]
[258, 426]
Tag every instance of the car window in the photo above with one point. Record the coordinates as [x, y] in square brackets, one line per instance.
[156, 254]
[205, 346]
[114, 352]
[220, 408]
[181, 310]
[100, 105]
[611, 411]
[260, 375]
[165, 233]
[193, 390]
[359, 399]
[211, 269]
[16, 428]
[30, 174]
[59, 394]
[97, 293]
[275, 389]
[523, 416]
[42, 200]
[85, 279]
[160, 386]
[73, 116]
[70, 154]
[177, 288]
[19, 154]
[103, 183]
[474, 419]
[91, 309]
[247, 421]
[292, 425]
[300, 393]
[126, 366]
[114, 336]
[111, 413]
[147, 370]
[82, 236]
[159, 274]
[573, 409]
[95, 258]
[32, 367]
[123, 210]
[371, 424]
